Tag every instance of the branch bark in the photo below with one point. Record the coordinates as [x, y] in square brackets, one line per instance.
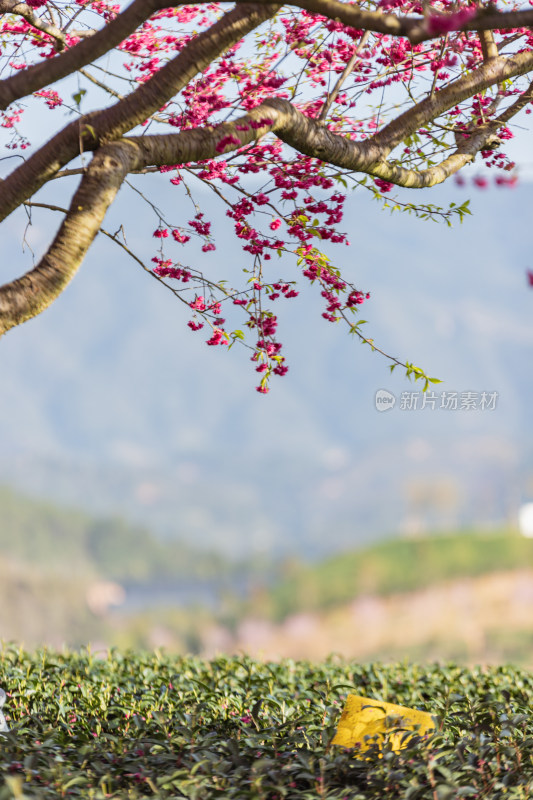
[416, 29]
[101, 127]
[51, 70]
[492, 72]
[26, 12]
[27, 296]
[307, 136]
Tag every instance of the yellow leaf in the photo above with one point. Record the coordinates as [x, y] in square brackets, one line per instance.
[365, 721]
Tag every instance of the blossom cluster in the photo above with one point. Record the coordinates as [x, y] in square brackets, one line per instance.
[284, 207]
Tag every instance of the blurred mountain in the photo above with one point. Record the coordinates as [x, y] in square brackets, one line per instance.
[67, 542]
[109, 402]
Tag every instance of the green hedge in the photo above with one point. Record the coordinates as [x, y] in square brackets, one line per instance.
[139, 725]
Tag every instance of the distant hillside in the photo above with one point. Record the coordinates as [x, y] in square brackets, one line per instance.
[59, 570]
[466, 596]
[59, 539]
[480, 620]
[398, 565]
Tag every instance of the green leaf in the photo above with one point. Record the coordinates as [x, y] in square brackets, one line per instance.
[78, 96]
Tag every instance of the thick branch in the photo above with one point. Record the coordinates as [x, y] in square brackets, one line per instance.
[482, 21]
[307, 136]
[103, 126]
[27, 296]
[416, 29]
[494, 71]
[49, 71]
[312, 139]
[488, 45]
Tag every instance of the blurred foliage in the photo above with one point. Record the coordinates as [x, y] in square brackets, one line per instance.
[136, 725]
[35, 532]
[397, 565]
[187, 600]
[52, 557]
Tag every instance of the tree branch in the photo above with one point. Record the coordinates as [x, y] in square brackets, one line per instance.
[416, 29]
[306, 135]
[27, 296]
[150, 96]
[314, 139]
[49, 71]
[488, 45]
[346, 71]
[492, 72]
[318, 143]
[26, 12]
[100, 127]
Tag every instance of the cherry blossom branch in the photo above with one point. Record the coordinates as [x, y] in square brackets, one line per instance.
[311, 138]
[176, 292]
[297, 130]
[29, 295]
[110, 124]
[26, 12]
[332, 96]
[492, 72]
[416, 29]
[116, 156]
[114, 238]
[170, 79]
[49, 71]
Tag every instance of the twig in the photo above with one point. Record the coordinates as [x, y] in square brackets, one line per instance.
[26, 12]
[348, 68]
